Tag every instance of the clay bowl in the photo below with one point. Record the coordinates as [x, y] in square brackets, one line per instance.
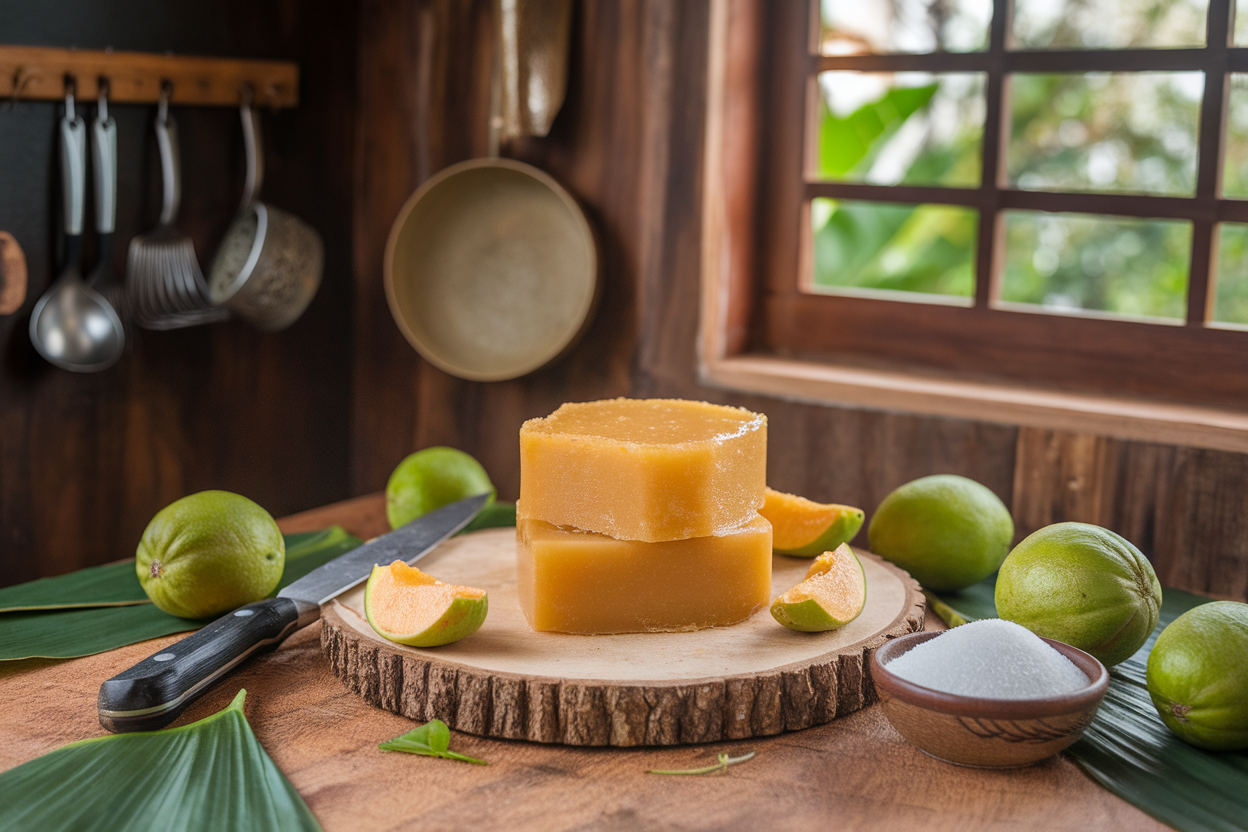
[986, 733]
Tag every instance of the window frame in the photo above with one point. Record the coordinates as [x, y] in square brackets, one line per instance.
[761, 332]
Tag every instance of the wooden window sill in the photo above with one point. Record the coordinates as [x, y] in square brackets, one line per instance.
[822, 383]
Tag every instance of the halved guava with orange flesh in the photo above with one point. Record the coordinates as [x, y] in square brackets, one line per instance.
[832, 595]
[409, 607]
[804, 527]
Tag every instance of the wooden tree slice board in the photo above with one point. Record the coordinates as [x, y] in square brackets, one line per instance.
[749, 680]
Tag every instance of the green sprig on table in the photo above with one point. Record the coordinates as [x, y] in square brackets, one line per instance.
[433, 739]
[720, 767]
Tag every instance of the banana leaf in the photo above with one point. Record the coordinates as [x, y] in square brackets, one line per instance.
[59, 632]
[111, 585]
[308, 550]
[974, 602]
[849, 143]
[115, 584]
[493, 516]
[1127, 748]
[70, 633]
[210, 775]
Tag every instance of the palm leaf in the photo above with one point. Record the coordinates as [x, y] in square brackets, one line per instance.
[1127, 748]
[849, 143]
[974, 602]
[210, 775]
[493, 516]
[61, 633]
[308, 550]
[70, 633]
[115, 584]
[853, 238]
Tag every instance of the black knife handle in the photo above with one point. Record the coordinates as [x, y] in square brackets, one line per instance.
[151, 694]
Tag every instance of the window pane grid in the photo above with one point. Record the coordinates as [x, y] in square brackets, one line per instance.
[1205, 209]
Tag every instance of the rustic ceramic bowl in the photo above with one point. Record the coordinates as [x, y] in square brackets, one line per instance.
[491, 270]
[980, 732]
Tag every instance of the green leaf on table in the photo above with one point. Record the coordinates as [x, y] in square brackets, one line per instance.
[970, 604]
[209, 775]
[1129, 750]
[308, 550]
[113, 584]
[70, 633]
[493, 516]
[433, 739]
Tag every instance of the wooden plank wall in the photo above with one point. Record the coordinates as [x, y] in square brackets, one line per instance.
[86, 460]
[628, 144]
[328, 408]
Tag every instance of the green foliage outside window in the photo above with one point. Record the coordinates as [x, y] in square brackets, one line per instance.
[1067, 132]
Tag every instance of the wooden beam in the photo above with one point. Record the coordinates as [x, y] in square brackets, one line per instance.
[1042, 61]
[1202, 207]
[36, 73]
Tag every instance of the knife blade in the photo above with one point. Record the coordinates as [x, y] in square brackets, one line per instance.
[153, 692]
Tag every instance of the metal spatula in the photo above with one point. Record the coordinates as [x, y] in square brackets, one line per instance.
[164, 283]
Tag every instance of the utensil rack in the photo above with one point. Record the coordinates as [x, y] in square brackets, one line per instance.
[40, 73]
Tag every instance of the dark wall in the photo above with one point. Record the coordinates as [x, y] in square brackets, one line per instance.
[86, 460]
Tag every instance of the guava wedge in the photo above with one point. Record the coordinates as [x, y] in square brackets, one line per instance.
[803, 527]
[409, 607]
[832, 594]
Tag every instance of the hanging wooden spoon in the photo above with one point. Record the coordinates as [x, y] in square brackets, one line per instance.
[12, 274]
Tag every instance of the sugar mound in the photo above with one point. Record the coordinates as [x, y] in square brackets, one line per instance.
[990, 658]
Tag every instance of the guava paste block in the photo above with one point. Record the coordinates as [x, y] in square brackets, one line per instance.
[651, 470]
[571, 581]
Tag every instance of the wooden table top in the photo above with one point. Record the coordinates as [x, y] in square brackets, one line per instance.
[856, 773]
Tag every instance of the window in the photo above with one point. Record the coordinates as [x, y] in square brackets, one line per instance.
[1031, 211]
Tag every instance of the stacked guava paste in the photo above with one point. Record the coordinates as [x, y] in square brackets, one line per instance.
[641, 515]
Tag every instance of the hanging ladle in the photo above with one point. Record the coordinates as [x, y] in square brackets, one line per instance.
[72, 325]
[104, 169]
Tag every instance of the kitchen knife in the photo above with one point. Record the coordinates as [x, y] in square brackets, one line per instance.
[151, 694]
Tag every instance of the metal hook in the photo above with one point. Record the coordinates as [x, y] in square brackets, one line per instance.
[166, 92]
[21, 79]
[102, 101]
[71, 89]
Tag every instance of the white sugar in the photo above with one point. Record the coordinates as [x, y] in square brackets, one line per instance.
[989, 658]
